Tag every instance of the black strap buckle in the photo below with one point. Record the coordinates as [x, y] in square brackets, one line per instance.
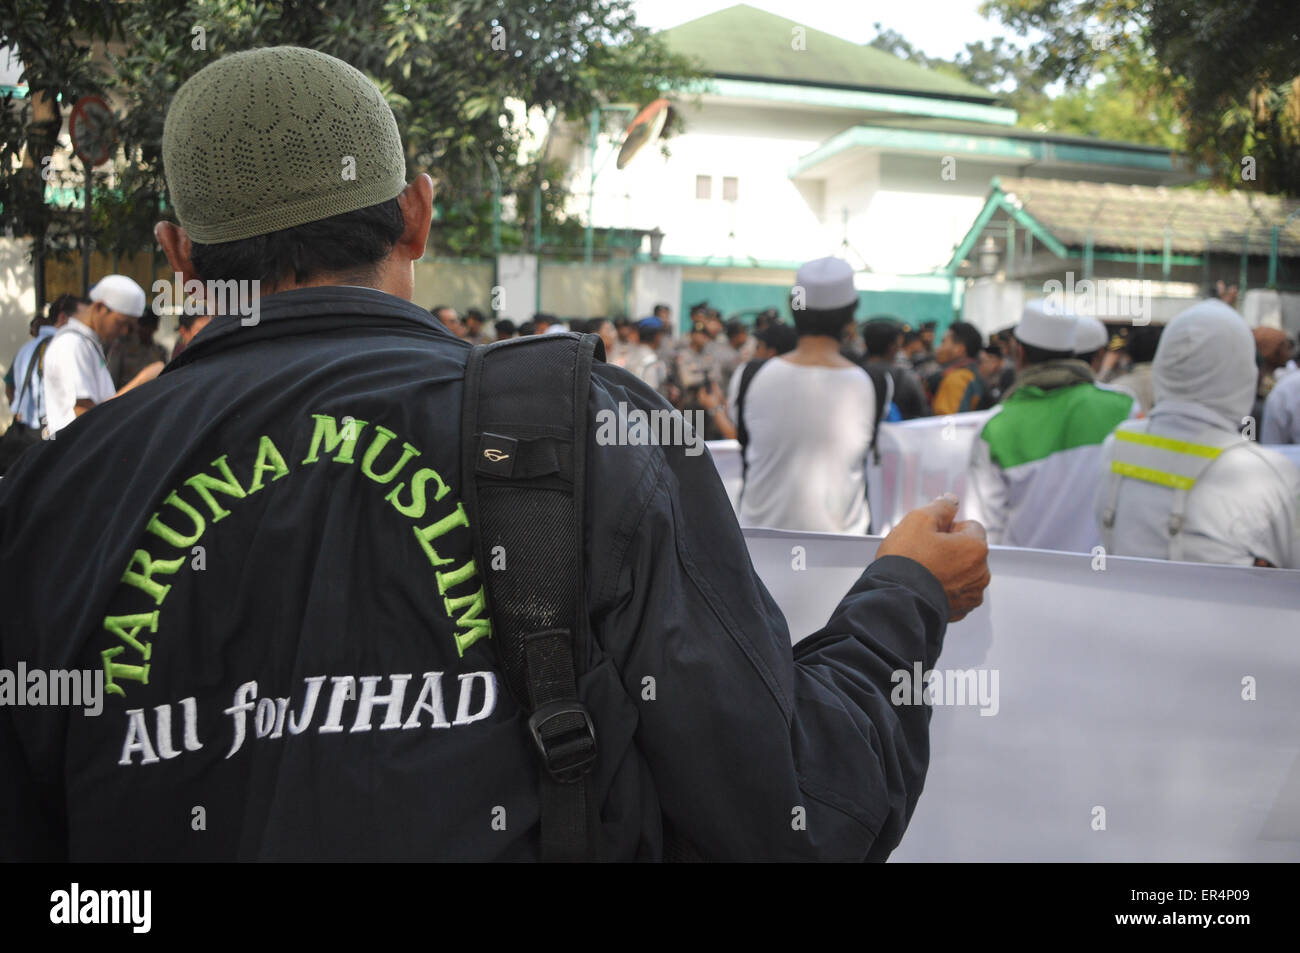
[569, 755]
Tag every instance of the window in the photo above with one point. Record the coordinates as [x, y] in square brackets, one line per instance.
[704, 186]
[730, 188]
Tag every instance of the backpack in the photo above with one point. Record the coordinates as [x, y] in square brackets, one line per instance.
[19, 437]
[523, 477]
[523, 469]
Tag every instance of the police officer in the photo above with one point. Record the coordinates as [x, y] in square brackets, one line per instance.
[267, 559]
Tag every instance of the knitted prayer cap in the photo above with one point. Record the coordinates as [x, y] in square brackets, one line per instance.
[272, 138]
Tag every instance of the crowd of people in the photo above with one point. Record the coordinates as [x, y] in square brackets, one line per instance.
[1077, 455]
[84, 351]
[1093, 428]
[1145, 440]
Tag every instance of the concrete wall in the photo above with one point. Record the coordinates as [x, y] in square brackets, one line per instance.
[456, 282]
[517, 281]
[1271, 309]
[656, 284]
[17, 305]
[578, 290]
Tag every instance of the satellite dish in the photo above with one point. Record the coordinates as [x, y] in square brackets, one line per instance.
[646, 127]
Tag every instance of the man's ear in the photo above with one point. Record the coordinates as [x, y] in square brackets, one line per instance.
[176, 246]
[416, 202]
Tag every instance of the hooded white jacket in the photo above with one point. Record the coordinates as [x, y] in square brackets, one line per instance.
[1240, 502]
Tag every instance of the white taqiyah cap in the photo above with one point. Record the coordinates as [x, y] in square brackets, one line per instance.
[119, 293]
[1044, 325]
[827, 283]
[1089, 335]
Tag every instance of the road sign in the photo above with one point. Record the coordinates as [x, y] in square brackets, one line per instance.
[91, 128]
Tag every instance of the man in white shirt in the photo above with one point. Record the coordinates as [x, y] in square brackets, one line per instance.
[76, 366]
[24, 385]
[1282, 412]
[809, 417]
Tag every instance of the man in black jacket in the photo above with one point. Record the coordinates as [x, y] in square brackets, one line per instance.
[264, 556]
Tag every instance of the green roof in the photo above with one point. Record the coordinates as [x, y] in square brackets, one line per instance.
[742, 42]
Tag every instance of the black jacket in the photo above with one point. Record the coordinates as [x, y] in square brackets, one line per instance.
[228, 546]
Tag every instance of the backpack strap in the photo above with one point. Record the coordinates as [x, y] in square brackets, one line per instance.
[523, 443]
[37, 360]
[742, 432]
[882, 379]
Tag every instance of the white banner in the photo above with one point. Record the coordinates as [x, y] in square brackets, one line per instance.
[919, 460]
[1147, 711]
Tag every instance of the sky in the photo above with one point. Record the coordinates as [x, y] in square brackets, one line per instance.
[937, 27]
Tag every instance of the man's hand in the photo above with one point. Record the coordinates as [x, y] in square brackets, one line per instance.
[956, 553]
[144, 377]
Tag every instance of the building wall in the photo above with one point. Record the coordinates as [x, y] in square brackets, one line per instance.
[904, 214]
[771, 220]
[887, 213]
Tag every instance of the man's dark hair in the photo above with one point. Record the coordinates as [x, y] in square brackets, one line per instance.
[474, 314]
[968, 336]
[505, 327]
[736, 326]
[348, 245]
[541, 317]
[779, 337]
[660, 307]
[438, 307]
[1142, 342]
[993, 348]
[1041, 355]
[827, 323]
[527, 328]
[910, 336]
[63, 304]
[622, 321]
[880, 336]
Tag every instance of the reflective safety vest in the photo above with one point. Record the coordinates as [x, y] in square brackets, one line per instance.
[1177, 464]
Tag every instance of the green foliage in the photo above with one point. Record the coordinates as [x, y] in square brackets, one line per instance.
[1226, 69]
[446, 67]
[54, 39]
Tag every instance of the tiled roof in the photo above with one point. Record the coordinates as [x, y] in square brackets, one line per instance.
[1126, 217]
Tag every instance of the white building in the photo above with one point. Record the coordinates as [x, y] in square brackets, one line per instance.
[804, 145]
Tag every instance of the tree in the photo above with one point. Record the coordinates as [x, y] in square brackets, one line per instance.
[447, 68]
[1116, 97]
[1229, 68]
[54, 39]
